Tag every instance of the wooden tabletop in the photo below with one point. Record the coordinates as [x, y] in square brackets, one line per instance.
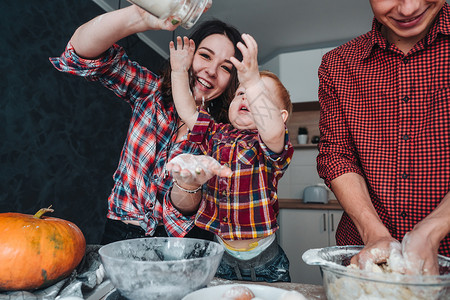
[309, 291]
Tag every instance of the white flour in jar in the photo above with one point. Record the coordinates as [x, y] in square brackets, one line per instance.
[159, 8]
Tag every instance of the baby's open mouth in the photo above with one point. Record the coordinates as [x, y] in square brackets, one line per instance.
[243, 107]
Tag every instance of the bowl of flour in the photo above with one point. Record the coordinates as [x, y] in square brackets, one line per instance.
[342, 280]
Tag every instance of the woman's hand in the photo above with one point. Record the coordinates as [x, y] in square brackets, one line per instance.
[248, 69]
[154, 23]
[191, 171]
[93, 38]
[181, 56]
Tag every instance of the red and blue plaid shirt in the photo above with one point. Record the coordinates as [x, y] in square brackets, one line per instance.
[245, 204]
[386, 116]
[139, 182]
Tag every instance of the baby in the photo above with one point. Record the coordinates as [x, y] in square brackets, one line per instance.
[240, 208]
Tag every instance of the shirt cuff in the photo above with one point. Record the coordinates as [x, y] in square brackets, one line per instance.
[176, 224]
[71, 62]
[288, 149]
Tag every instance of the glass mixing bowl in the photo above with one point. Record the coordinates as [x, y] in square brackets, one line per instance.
[160, 268]
[341, 282]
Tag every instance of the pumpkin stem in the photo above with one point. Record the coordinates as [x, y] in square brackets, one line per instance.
[42, 211]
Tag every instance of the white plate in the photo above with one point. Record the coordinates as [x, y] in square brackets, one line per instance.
[216, 292]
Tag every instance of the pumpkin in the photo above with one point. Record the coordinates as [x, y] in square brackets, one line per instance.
[36, 251]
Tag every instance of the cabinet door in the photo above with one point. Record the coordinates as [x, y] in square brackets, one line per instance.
[299, 73]
[334, 216]
[301, 230]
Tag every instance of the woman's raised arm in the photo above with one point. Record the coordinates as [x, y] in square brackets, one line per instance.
[93, 38]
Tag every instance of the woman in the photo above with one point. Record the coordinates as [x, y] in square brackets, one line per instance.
[137, 204]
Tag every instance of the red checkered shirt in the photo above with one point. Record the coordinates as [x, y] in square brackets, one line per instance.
[245, 204]
[140, 186]
[386, 116]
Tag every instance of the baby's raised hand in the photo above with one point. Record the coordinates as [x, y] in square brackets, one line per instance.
[248, 69]
[181, 56]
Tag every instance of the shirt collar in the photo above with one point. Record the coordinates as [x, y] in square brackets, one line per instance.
[441, 26]
[375, 39]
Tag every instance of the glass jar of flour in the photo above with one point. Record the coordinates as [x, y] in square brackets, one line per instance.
[186, 11]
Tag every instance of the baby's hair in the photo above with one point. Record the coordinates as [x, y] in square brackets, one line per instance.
[283, 92]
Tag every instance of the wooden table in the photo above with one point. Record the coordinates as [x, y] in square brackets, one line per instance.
[310, 291]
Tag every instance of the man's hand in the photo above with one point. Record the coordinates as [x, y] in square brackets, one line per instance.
[414, 256]
[420, 254]
[376, 252]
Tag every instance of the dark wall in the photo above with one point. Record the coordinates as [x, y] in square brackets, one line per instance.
[60, 135]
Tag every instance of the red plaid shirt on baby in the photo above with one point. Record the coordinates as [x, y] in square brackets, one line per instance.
[139, 182]
[245, 204]
[386, 116]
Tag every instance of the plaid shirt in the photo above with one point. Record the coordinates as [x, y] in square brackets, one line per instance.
[139, 185]
[386, 116]
[245, 204]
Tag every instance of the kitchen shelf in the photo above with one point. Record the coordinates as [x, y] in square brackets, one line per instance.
[304, 146]
[299, 204]
[306, 106]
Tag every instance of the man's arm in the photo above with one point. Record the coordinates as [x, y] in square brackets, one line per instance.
[180, 62]
[420, 245]
[352, 193]
[93, 38]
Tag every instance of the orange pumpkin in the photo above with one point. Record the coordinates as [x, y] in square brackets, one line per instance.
[37, 251]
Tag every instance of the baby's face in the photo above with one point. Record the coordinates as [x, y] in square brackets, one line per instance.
[239, 112]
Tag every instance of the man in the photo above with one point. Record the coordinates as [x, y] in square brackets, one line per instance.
[385, 134]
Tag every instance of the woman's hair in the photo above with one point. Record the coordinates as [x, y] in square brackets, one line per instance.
[218, 107]
[282, 91]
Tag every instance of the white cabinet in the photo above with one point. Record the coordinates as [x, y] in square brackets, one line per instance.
[304, 229]
[299, 72]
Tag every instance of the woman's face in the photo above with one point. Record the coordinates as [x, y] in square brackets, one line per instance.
[406, 20]
[212, 67]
